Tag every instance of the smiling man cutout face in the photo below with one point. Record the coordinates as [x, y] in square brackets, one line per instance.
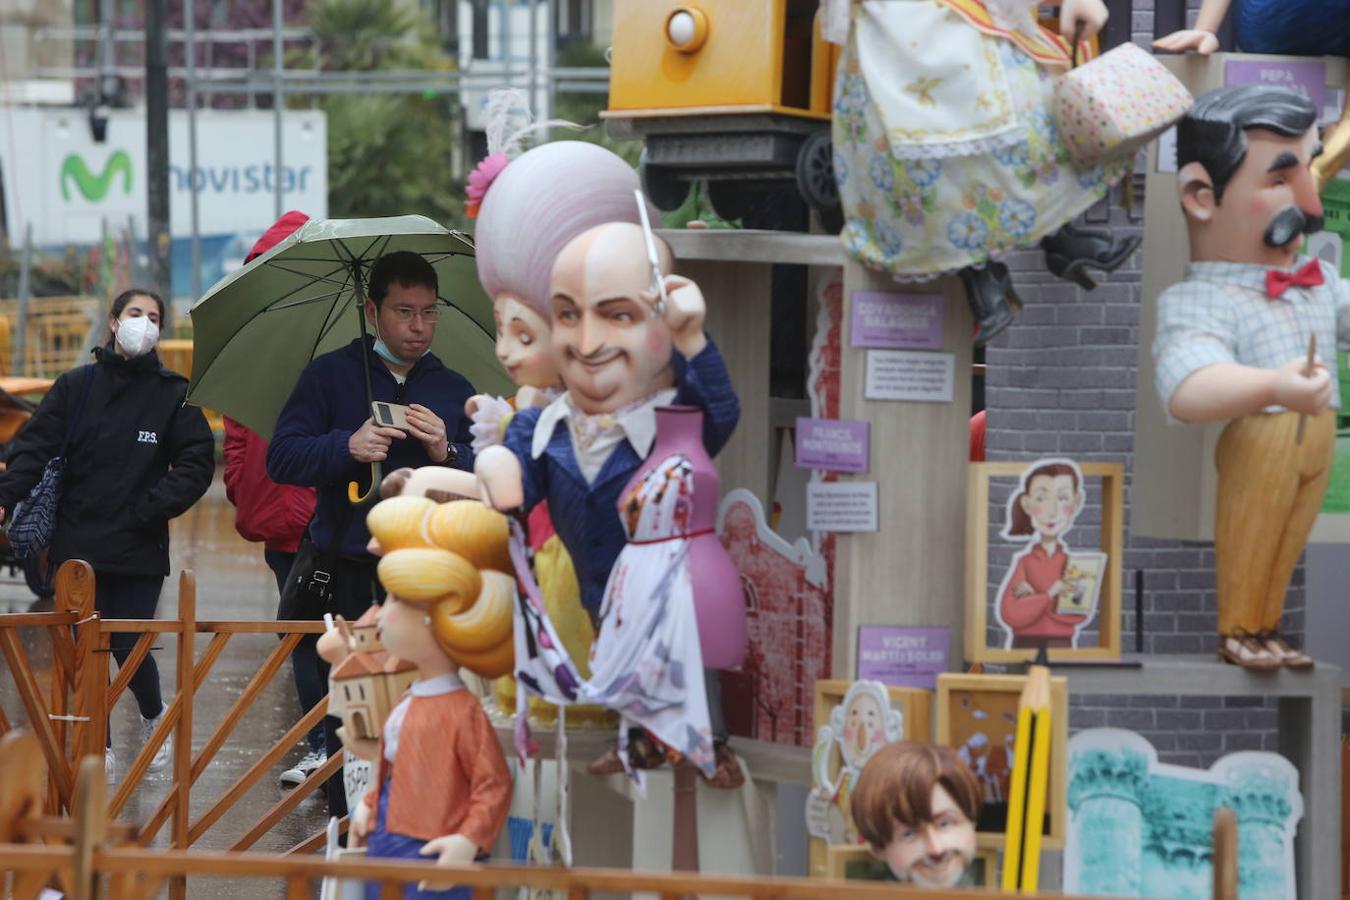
[609, 345]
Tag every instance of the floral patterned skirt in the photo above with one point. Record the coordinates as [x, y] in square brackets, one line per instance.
[920, 208]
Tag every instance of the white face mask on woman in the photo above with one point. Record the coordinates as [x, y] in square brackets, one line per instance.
[137, 336]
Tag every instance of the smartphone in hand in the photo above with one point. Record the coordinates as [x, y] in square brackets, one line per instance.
[391, 415]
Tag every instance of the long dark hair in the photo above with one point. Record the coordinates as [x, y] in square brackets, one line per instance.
[122, 299]
[1019, 523]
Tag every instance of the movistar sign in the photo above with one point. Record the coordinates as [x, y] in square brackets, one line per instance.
[95, 187]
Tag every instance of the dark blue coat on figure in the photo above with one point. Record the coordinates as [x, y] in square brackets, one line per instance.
[587, 516]
[1293, 27]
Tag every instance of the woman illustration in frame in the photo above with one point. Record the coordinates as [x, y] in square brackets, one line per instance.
[1048, 593]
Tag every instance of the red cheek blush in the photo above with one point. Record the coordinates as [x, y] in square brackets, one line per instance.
[657, 340]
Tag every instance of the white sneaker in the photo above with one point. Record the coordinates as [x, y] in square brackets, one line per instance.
[297, 773]
[110, 765]
[165, 752]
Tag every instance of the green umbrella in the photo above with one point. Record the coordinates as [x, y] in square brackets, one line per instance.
[257, 328]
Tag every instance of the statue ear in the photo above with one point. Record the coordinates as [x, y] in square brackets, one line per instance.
[1196, 190]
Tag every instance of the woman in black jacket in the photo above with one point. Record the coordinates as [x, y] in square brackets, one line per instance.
[137, 458]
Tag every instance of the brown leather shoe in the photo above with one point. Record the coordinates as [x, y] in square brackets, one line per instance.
[727, 776]
[1288, 656]
[1246, 651]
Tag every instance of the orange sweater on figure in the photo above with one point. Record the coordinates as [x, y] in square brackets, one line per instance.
[450, 776]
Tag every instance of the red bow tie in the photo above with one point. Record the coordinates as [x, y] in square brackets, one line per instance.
[1278, 282]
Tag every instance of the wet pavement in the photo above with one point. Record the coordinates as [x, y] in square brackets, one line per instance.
[233, 583]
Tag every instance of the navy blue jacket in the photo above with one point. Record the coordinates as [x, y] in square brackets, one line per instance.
[328, 404]
[587, 516]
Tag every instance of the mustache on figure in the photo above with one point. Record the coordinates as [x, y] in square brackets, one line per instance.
[1288, 224]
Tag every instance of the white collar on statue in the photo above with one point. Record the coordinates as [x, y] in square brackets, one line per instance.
[434, 687]
[637, 421]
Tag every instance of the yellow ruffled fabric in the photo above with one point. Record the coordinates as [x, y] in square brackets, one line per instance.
[562, 598]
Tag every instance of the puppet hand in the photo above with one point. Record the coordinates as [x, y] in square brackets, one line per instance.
[1296, 391]
[530, 396]
[1022, 588]
[360, 821]
[1202, 42]
[498, 473]
[1058, 589]
[487, 414]
[818, 808]
[451, 850]
[394, 482]
[685, 314]
[1090, 14]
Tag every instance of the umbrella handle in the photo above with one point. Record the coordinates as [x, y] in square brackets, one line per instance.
[354, 495]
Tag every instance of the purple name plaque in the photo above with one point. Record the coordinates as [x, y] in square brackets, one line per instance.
[895, 321]
[1308, 78]
[902, 657]
[833, 444]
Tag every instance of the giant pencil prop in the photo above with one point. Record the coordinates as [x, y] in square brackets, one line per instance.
[1030, 780]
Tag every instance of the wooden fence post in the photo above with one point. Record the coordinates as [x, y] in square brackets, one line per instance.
[75, 592]
[91, 827]
[182, 751]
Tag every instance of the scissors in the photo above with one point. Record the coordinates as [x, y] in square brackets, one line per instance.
[652, 256]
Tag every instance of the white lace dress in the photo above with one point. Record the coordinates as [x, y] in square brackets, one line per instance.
[946, 150]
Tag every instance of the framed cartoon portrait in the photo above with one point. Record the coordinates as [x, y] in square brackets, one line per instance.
[1046, 572]
[853, 719]
[977, 717]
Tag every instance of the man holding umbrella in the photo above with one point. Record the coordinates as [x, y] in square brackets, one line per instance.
[326, 438]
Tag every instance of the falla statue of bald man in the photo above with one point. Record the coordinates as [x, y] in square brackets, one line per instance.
[621, 354]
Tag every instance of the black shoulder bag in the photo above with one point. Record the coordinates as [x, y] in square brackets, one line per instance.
[33, 524]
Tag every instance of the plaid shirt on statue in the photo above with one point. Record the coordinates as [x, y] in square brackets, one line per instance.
[1221, 314]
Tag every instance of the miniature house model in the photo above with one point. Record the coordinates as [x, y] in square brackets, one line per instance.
[368, 683]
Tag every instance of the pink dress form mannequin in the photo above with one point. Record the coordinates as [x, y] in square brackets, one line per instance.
[718, 601]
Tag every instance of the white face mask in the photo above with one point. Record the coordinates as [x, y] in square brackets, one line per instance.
[137, 336]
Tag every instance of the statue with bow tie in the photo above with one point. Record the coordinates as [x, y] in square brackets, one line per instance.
[1237, 340]
[624, 354]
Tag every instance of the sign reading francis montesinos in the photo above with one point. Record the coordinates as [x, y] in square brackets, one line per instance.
[63, 182]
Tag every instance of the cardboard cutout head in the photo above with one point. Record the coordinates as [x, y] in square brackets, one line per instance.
[610, 346]
[1243, 156]
[447, 568]
[531, 209]
[916, 806]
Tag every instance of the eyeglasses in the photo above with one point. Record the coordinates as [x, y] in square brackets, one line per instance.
[406, 313]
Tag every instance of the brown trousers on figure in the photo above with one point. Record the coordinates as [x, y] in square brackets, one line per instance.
[1269, 494]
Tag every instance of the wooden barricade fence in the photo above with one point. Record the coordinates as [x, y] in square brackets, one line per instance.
[58, 828]
[93, 865]
[81, 666]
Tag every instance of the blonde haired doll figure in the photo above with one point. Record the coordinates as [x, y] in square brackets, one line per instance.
[442, 786]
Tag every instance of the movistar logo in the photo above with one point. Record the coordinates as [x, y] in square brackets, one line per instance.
[95, 187]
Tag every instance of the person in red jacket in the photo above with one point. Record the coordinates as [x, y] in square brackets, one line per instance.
[267, 513]
[275, 515]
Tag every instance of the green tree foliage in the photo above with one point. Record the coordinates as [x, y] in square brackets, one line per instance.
[388, 154]
[585, 108]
